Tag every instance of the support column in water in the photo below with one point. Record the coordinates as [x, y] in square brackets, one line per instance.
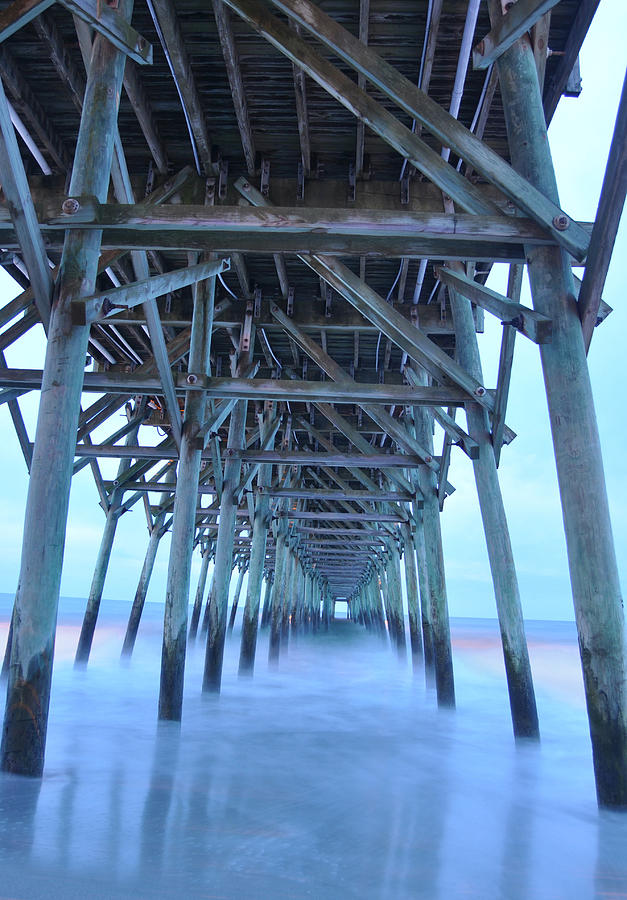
[207, 553]
[219, 596]
[522, 699]
[261, 523]
[413, 603]
[30, 671]
[184, 518]
[142, 588]
[242, 569]
[434, 558]
[590, 544]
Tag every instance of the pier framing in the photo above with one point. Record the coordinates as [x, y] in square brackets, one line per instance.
[294, 306]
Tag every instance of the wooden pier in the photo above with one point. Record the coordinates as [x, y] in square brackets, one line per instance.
[279, 263]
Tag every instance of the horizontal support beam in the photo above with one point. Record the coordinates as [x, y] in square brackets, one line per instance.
[518, 20]
[531, 324]
[340, 514]
[251, 389]
[302, 493]
[271, 457]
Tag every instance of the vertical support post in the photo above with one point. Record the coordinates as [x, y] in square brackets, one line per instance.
[184, 517]
[238, 590]
[267, 600]
[278, 593]
[261, 523]
[102, 560]
[413, 612]
[591, 556]
[395, 601]
[200, 592]
[28, 692]
[423, 585]
[515, 654]
[438, 606]
[142, 589]
[219, 597]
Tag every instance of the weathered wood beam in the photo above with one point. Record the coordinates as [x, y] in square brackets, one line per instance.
[519, 18]
[99, 306]
[302, 115]
[329, 494]
[506, 359]
[531, 324]
[346, 391]
[606, 224]
[417, 104]
[171, 37]
[592, 559]
[145, 117]
[30, 674]
[364, 15]
[234, 74]
[15, 187]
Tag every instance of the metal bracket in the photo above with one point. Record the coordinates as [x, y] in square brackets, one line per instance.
[244, 341]
[327, 303]
[352, 183]
[300, 182]
[264, 185]
[223, 174]
[290, 301]
[257, 302]
[210, 191]
[405, 190]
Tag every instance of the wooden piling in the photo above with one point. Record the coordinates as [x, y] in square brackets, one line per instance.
[200, 593]
[413, 603]
[242, 569]
[434, 558]
[509, 609]
[591, 556]
[219, 597]
[185, 504]
[142, 589]
[28, 693]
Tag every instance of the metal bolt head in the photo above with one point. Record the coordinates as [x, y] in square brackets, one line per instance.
[192, 379]
[70, 206]
[561, 222]
[480, 391]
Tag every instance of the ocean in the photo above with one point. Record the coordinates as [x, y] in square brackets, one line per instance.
[335, 776]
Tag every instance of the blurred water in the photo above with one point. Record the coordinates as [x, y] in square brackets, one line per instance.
[334, 777]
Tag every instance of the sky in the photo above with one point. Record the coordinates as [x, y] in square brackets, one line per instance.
[580, 137]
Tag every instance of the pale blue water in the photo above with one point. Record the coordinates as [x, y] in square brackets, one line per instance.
[335, 777]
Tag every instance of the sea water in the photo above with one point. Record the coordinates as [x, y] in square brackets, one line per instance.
[335, 776]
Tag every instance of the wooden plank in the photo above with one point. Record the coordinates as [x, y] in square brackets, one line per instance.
[108, 22]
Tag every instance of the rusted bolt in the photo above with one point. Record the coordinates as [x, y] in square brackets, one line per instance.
[561, 222]
[428, 459]
[192, 379]
[480, 391]
[70, 206]
[480, 48]
[246, 186]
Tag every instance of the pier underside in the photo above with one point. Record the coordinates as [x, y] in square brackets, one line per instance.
[262, 232]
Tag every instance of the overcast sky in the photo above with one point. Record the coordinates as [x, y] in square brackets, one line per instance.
[580, 136]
